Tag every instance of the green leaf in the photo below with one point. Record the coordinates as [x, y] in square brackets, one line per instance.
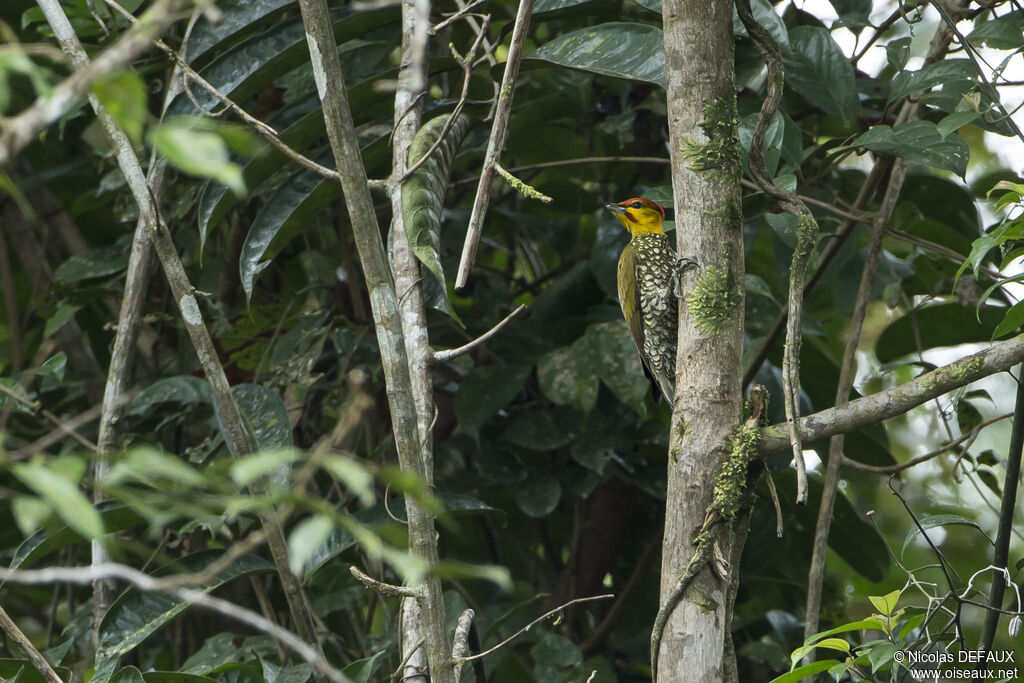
[817, 69]
[423, 193]
[297, 673]
[42, 543]
[306, 538]
[623, 50]
[183, 389]
[22, 671]
[916, 141]
[129, 674]
[852, 13]
[1000, 33]
[881, 654]
[885, 604]
[1011, 322]
[92, 263]
[137, 614]
[955, 121]
[837, 644]
[248, 469]
[155, 467]
[567, 377]
[764, 14]
[805, 671]
[943, 324]
[63, 496]
[863, 625]
[352, 474]
[197, 152]
[485, 391]
[929, 76]
[539, 496]
[897, 52]
[175, 677]
[932, 521]
[235, 17]
[265, 415]
[124, 96]
[537, 431]
[361, 670]
[617, 362]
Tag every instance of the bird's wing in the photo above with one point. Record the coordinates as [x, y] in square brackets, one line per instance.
[629, 297]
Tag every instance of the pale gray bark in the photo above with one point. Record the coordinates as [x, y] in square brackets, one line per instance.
[698, 69]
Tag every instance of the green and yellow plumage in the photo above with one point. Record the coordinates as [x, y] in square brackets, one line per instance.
[646, 284]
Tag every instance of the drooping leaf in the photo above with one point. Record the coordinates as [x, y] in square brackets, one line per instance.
[237, 17]
[137, 614]
[306, 538]
[817, 69]
[96, 262]
[624, 50]
[423, 194]
[539, 496]
[265, 415]
[183, 389]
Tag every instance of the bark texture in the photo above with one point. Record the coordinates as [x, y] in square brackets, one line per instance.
[705, 179]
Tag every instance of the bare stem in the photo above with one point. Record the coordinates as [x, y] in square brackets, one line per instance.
[449, 354]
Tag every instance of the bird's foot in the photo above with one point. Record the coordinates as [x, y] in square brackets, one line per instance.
[683, 264]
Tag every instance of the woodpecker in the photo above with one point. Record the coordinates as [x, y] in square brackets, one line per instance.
[648, 284]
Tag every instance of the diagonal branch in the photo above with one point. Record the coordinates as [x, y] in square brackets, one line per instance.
[48, 109]
[895, 401]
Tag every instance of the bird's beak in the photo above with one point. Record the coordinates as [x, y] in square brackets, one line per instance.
[615, 208]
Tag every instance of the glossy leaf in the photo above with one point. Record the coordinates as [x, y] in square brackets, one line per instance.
[916, 141]
[764, 14]
[43, 543]
[929, 76]
[183, 389]
[817, 69]
[137, 614]
[361, 670]
[622, 50]
[236, 17]
[92, 263]
[265, 415]
[423, 194]
[1001, 33]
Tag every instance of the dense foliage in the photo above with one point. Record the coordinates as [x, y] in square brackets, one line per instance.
[550, 449]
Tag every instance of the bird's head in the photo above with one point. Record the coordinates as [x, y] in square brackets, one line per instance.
[639, 215]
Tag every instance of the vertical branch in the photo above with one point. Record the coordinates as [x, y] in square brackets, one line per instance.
[704, 145]
[228, 414]
[387, 320]
[496, 141]
[1002, 549]
[412, 86]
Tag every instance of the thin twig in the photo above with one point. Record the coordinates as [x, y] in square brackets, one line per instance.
[38, 409]
[494, 144]
[264, 129]
[385, 588]
[455, 17]
[49, 108]
[85, 575]
[449, 354]
[930, 455]
[12, 631]
[543, 617]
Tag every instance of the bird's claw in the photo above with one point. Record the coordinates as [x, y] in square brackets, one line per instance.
[683, 264]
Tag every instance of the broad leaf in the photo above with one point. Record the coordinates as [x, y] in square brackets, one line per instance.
[63, 496]
[623, 50]
[929, 76]
[485, 391]
[944, 324]
[932, 521]
[567, 376]
[817, 69]
[916, 141]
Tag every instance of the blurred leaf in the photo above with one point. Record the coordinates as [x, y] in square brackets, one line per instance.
[423, 193]
[539, 496]
[124, 96]
[352, 474]
[137, 614]
[553, 653]
[538, 431]
[22, 671]
[304, 540]
[42, 543]
[999, 32]
[247, 469]
[622, 50]
[929, 76]
[765, 14]
[932, 521]
[197, 152]
[817, 69]
[63, 496]
[183, 389]
[937, 325]
[485, 391]
[129, 674]
[806, 671]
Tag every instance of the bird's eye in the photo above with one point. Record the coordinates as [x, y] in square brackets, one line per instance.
[637, 205]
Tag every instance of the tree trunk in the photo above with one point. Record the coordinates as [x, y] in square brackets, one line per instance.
[705, 179]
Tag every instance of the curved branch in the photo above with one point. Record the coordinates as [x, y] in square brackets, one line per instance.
[898, 400]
